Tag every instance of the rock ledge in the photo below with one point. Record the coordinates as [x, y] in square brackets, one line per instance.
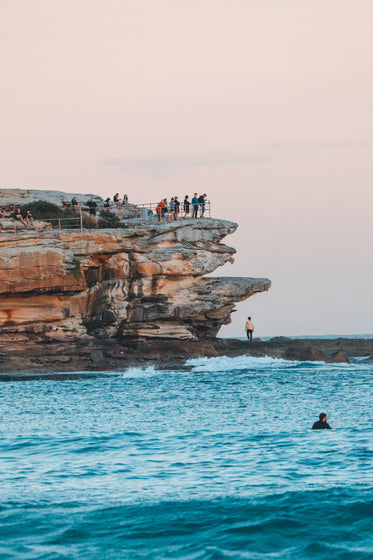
[143, 282]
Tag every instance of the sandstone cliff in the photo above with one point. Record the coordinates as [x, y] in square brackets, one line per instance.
[142, 282]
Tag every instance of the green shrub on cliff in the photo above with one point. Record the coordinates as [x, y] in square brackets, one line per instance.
[108, 219]
[48, 212]
[75, 270]
[41, 210]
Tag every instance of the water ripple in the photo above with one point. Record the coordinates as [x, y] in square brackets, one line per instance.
[214, 461]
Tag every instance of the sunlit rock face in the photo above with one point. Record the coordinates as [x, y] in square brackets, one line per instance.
[140, 282]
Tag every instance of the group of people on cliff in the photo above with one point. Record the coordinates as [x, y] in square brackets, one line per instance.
[174, 208]
[26, 218]
[92, 204]
[117, 201]
[195, 207]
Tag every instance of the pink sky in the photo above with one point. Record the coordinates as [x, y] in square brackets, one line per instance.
[265, 105]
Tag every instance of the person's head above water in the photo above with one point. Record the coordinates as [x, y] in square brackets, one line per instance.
[322, 417]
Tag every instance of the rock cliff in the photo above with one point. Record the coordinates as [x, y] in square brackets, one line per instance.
[140, 282]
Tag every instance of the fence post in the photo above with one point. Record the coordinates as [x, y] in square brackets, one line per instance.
[15, 227]
[81, 221]
[59, 226]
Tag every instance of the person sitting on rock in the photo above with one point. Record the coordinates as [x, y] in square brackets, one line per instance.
[19, 217]
[75, 204]
[322, 424]
[117, 200]
[29, 219]
[2, 213]
[107, 202]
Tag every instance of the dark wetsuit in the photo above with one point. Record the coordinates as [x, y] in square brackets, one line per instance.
[319, 425]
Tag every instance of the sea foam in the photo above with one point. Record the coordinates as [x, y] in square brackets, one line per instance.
[225, 364]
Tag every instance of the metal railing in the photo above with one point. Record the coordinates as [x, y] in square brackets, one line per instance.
[127, 213]
[150, 209]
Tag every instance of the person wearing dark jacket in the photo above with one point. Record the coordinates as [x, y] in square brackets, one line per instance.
[186, 206]
[177, 208]
[202, 201]
[322, 424]
[92, 207]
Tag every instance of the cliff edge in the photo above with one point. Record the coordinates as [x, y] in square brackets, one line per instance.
[140, 282]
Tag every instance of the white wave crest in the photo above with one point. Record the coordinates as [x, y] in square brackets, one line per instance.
[226, 364]
[138, 372]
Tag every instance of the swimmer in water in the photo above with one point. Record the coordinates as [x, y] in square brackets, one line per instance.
[322, 424]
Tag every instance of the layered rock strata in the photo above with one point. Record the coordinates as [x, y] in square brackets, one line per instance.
[141, 282]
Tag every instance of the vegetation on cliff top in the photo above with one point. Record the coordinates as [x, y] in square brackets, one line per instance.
[48, 212]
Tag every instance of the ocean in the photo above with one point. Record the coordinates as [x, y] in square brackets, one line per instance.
[216, 460]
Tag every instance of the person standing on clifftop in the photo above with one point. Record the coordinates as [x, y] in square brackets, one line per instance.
[202, 202]
[177, 207]
[92, 204]
[195, 205]
[186, 206]
[172, 209]
[159, 210]
[249, 327]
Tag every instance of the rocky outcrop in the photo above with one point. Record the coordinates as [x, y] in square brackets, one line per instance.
[140, 282]
[111, 354]
[19, 197]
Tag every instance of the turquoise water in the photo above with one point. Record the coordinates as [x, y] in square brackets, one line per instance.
[216, 461]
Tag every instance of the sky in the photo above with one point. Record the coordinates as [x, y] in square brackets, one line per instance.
[265, 105]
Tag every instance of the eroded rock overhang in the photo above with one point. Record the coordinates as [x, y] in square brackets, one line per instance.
[145, 281]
